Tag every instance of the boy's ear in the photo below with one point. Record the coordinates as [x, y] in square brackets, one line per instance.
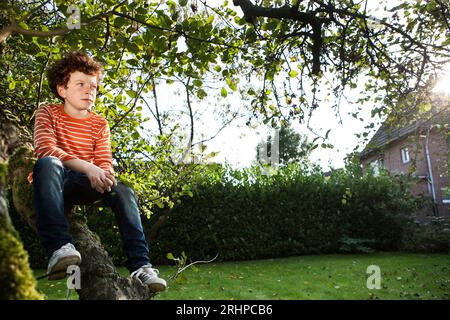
[61, 91]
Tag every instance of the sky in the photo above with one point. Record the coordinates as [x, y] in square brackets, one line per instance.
[237, 143]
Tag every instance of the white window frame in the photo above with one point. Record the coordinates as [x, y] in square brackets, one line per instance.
[376, 165]
[445, 193]
[405, 155]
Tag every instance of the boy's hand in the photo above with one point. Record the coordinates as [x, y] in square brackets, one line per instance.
[111, 178]
[100, 180]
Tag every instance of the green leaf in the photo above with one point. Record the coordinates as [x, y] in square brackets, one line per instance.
[293, 73]
[446, 42]
[170, 256]
[132, 93]
[119, 22]
[425, 107]
[224, 92]
[12, 84]
[197, 83]
[212, 154]
[136, 135]
[183, 3]
[181, 279]
[201, 94]
[231, 84]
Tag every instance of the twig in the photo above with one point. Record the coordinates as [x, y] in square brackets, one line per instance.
[190, 265]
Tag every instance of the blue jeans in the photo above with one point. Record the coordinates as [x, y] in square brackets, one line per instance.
[56, 187]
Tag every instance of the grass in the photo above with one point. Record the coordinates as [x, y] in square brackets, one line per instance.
[403, 276]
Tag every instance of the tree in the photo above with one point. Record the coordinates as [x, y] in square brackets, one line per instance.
[293, 147]
[157, 178]
[16, 277]
[277, 58]
[393, 54]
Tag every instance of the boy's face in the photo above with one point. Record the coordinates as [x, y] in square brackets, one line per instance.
[80, 91]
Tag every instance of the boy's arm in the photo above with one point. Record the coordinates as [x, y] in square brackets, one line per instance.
[102, 152]
[45, 137]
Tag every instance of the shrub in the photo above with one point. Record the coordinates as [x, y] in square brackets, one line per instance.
[429, 236]
[244, 214]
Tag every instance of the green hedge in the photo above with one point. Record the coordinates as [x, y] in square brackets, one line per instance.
[243, 214]
[246, 215]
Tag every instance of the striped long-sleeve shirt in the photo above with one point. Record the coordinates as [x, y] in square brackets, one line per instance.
[59, 135]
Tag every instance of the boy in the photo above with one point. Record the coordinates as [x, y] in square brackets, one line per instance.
[74, 166]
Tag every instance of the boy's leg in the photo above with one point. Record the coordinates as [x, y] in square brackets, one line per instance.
[122, 201]
[124, 205]
[48, 185]
[49, 178]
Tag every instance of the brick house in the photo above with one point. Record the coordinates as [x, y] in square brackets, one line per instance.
[417, 145]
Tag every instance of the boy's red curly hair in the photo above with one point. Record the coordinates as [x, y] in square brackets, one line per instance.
[60, 71]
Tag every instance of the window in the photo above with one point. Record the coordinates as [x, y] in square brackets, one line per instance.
[405, 155]
[376, 165]
[445, 195]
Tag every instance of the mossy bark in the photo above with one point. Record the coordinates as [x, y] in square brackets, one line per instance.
[16, 278]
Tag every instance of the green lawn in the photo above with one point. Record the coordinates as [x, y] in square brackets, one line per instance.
[403, 276]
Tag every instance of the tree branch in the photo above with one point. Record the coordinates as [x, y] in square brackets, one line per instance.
[187, 36]
[158, 117]
[138, 95]
[41, 78]
[14, 28]
[252, 11]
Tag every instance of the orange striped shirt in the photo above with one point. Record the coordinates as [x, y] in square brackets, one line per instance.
[59, 135]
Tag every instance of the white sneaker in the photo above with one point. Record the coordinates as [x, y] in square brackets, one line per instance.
[60, 260]
[149, 276]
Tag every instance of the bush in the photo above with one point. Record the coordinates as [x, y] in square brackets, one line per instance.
[430, 236]
[243, 214]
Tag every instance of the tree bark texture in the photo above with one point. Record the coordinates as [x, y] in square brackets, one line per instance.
[16, 278]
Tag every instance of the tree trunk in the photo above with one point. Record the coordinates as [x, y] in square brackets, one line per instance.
[16, 278]
[99, 278]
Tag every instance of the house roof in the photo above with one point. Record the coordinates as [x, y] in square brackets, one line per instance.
[387, 134]
[402, 125]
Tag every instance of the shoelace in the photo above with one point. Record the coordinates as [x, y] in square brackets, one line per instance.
[145, 272]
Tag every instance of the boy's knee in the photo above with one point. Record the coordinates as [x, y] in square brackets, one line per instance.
[47, 163]
[123, 189]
